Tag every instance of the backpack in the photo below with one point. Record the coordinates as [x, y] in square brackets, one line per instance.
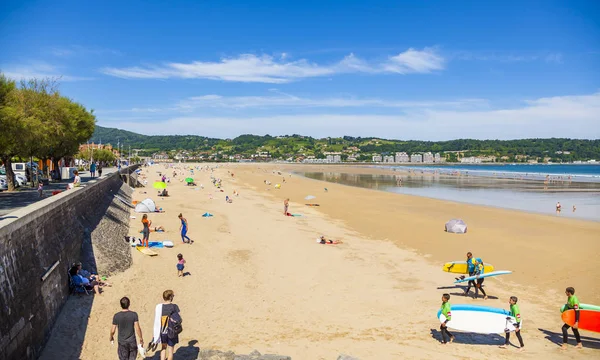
[174, 327]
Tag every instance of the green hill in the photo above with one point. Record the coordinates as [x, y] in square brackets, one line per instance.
[295, 145]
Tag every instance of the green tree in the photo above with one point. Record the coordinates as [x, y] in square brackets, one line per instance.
[10, 127]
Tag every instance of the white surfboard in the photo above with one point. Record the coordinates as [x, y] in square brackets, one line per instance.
[484, 275]
[480, 319]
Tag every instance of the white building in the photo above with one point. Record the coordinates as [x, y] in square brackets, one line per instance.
[437, 158]
[334, 158]
[470, 160]
[377, 158]
[428, 157]
[388, 159]
[402, 157]
[416, 158]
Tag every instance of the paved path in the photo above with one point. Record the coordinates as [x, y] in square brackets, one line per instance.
[25, 195]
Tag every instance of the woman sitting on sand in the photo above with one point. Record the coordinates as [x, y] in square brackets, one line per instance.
[81, 280]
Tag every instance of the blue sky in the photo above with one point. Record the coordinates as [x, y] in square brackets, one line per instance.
[430, 70]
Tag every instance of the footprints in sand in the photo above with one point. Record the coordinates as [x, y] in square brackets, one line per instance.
[224, 228]
[239, 256]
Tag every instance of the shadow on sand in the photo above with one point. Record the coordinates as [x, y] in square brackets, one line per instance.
[189, 352]
[470, 338]
[556, 337]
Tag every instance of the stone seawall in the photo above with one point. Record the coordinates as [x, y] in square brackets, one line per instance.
[37, 247]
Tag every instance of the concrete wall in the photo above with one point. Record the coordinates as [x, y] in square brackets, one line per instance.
[85, 224]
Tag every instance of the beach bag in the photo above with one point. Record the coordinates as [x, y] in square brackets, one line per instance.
[174, 327]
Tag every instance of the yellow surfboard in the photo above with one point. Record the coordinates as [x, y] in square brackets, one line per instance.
[144, 250]
[460, 267]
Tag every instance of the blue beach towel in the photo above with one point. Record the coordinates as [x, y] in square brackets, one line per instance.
[155, 244]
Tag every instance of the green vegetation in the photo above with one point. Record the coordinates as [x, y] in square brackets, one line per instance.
[102, 155]
[36, 121]
[284, 147]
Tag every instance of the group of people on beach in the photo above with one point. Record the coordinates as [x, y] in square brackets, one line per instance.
[165, 332]
[147, 229]
[475, 267]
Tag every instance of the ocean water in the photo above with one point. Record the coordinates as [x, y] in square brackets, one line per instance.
[573, 172]
[509, 193]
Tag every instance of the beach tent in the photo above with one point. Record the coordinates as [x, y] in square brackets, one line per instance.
[146, 206]
[456, 226]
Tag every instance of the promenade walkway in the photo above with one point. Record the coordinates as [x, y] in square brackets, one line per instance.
[25, 195]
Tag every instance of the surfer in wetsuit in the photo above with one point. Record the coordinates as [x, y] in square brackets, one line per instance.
[516, 313]
[471, 270]
[479, 271]
[446, 311]
[572, 304]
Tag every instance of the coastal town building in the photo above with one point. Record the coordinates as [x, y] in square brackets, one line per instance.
[416, 158]
[377, 158]
[388, 159]
[437, 158]
[402, 157]
[428, 157]
[470, 160]
[333, 158]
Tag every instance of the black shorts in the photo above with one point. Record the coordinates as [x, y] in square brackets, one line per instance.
[170, 342]
[127, 351]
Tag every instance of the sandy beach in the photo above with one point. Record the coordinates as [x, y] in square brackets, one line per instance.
[259, 280]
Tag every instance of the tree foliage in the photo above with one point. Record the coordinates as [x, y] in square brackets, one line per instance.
[36, 121]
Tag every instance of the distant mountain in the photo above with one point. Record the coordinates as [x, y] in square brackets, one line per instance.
[283, 147]
[113, 136]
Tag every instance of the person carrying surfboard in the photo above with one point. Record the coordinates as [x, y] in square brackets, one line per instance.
[479, 269]
[572, 304]
[516, 313]
[447, 312]
[471, 270]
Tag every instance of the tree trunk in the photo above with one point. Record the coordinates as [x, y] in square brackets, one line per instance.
[55, 162]
[10, 175]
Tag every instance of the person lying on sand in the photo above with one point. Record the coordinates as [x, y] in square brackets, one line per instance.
[323, 240]
[155, 229]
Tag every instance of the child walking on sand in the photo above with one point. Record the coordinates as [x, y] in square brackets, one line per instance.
[446, 311]
[479, 269]
[572, 304]
[516, 313]
[180, 264]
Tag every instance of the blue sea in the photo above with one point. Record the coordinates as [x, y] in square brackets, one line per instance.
[531, 188]
[573, 172]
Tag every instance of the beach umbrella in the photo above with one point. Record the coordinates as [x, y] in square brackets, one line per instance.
[189, 180]
[310, 197]
[159, 185]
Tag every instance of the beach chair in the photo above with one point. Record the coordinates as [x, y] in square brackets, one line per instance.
[77, 288]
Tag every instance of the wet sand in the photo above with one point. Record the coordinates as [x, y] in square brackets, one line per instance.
[260, 281]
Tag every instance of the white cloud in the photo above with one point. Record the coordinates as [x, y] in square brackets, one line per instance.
[291, 101]
[267, 69]
[564, 116]
[416, 61]
[38, 70]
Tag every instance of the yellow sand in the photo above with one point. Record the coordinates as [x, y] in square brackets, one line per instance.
[260, 281]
